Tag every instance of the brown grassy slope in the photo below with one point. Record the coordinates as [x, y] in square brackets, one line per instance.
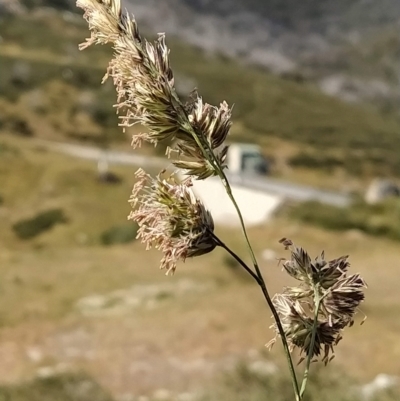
[173, 341]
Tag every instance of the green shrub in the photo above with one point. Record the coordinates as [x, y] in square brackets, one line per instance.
[330, 217]
[66, 387]
[119, 234]
[382, 219]
[6, 149]
[315, 161]
[29, 228]
[17, 125]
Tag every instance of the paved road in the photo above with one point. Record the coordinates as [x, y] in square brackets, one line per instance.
[262, 184]
[110, 156]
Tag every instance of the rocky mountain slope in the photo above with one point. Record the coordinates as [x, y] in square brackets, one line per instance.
[50, 89]
[349, 48]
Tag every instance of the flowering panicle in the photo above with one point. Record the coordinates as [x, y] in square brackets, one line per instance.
[104, 26]
[325, 301]
[212, 126]
[145, 86]
[171, 219]
[309, 316]
[298, 326]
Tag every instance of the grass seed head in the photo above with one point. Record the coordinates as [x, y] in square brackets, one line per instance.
[171, 219]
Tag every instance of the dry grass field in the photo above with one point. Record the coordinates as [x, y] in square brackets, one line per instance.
[69, 303]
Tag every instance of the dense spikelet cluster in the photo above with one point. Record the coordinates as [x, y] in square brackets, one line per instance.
[211, 125]
[325, 301]
[146, 94]
[171, 219]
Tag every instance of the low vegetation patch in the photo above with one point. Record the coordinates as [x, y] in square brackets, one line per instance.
[29, 228]
[361, 141]
[65, 387]
[119, 234]
[315, 160]
[382, 219]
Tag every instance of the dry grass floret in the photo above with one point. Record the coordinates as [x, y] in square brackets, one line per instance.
[146, 94]
[171, 219]
[315, 312]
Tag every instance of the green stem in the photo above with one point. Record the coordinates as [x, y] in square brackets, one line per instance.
[261, 283]
[264, 288]
[317, 301]
[228, 189]
[211, 158]
[284, 341]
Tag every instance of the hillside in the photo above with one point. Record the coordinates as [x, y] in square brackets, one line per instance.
[77, 310]
[348, 48]
[85, 313]
[70, 302]
[51, 90]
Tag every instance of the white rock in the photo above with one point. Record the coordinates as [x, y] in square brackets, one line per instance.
[262, 368]
[35, 354]
[268, 254]
[187, 397]
[148, 296]
[50, 371]
[162, 394]
[381, 382]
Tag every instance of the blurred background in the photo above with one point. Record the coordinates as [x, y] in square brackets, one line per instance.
[85, 314]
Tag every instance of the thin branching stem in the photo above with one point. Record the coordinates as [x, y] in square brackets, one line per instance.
[236, 257]
[260, 281]
[263, 286]
[284, 341]
[317, 303]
